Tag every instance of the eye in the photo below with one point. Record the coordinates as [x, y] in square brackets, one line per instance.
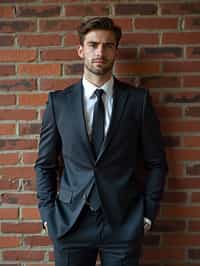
[109, 45]
[92, 44]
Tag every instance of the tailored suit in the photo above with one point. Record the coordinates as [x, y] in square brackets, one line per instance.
[134, 129]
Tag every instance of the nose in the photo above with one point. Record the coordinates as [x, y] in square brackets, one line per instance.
[100, 51]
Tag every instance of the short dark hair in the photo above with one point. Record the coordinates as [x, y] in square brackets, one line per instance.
[99, 23]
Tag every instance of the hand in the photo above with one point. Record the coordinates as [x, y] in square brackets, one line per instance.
[45, 228]
[147, 225]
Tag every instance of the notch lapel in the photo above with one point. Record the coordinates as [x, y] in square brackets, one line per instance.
[120, 96]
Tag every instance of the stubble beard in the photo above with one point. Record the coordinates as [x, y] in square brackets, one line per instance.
[101, 70]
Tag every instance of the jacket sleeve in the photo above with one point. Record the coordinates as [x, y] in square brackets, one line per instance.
[154, 159]
[46, 165]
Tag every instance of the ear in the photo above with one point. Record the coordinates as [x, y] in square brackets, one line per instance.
[80, 51]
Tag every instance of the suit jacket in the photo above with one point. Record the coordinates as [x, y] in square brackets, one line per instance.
[134, 129]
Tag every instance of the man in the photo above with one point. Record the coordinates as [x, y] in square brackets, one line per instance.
[100, 127]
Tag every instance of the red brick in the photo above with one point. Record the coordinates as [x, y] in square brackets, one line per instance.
[7, 100]
[161, 81]
[19, 198]
[176, 169]
[152, 240]
[194, 226]
[55, 25]
[17, 26]
[156, 23]
[29, 129]
[139, 9]
[183, 155]
[185, 183]
[9, 158]
[9, 213]
[9, 183]
[191, 141]
[38, 11]
[23, 255]
[195, 197]
[30, 184]
[36, 241]
[192, 23]
[29, 157]
[124, 23]
[23, 114]
[194, 254]
[193, 169]
[18, 144]
[18, 85]
[22, 228]
[59, 55]
[182, 97]
[183, 38]
[167, 225]
[181, 212]
[161, 52]
[137, 68]
[7, 129]
[163, 254]
[18, 55]
[6, 12]
[182, 239]
[71, 39]
[169, 111]
[9, 242]
[127, 53]
[180, 126]
[7, 70]
[73, 69]
[17, 172]
[180, 8]
[39, 40]
[193, 52]
[193, 112]
[17, 1]
[87, 10]
[139, 38]
[56, 84]
[32, 99]
[30, 213]
[184, 66]
[39, 69]
[175, 197]
[191, 81]
[6, 40]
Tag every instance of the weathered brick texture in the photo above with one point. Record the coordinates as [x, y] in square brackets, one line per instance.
[160, 49]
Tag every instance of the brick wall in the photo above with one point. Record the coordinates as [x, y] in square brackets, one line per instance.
[160, 49]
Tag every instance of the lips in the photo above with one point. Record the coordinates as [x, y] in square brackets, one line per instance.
[99, 61]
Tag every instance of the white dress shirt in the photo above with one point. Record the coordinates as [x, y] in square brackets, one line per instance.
[90, 99]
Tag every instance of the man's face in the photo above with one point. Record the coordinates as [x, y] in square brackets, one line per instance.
[98, 51]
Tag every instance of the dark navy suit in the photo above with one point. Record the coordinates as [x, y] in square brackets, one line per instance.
[134, 129]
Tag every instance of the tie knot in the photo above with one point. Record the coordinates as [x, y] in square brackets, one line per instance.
[99, 93]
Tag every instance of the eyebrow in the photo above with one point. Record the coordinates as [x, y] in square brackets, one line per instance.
[94, 42]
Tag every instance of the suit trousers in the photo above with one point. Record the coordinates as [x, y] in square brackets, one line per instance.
[91, 236]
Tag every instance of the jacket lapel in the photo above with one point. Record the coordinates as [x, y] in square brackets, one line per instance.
[120, 96]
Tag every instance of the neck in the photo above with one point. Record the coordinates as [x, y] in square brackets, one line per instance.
[97, 80]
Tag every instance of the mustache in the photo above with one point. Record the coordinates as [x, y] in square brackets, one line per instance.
[99, 59]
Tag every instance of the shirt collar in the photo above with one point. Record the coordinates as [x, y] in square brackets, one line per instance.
[90, 88]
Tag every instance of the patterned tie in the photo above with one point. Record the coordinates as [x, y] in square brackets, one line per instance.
[98, 123]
